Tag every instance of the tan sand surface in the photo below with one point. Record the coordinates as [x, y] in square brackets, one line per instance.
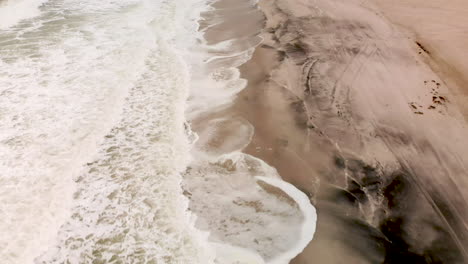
[345, 106]
[362, 105]
[442, 27]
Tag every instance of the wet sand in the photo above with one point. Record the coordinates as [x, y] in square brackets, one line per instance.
[367, 118]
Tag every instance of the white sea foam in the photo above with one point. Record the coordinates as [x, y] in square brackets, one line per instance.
[308, 226]
[13, 11]
[63, 83]
[129, 206]
[247, 207]
[228, 254]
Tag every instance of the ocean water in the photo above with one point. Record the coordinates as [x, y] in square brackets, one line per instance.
[96, 99]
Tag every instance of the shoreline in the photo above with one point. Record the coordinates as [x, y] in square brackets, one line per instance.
[234, 131]
[247, 219]
[351, 151]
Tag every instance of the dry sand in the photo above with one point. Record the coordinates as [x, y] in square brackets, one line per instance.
[368, 119]
[442, 27]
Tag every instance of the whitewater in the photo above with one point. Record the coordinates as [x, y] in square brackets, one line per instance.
[98, 162]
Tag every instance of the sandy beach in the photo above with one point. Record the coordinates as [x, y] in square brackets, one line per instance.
[362, 106]
[234, 131]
